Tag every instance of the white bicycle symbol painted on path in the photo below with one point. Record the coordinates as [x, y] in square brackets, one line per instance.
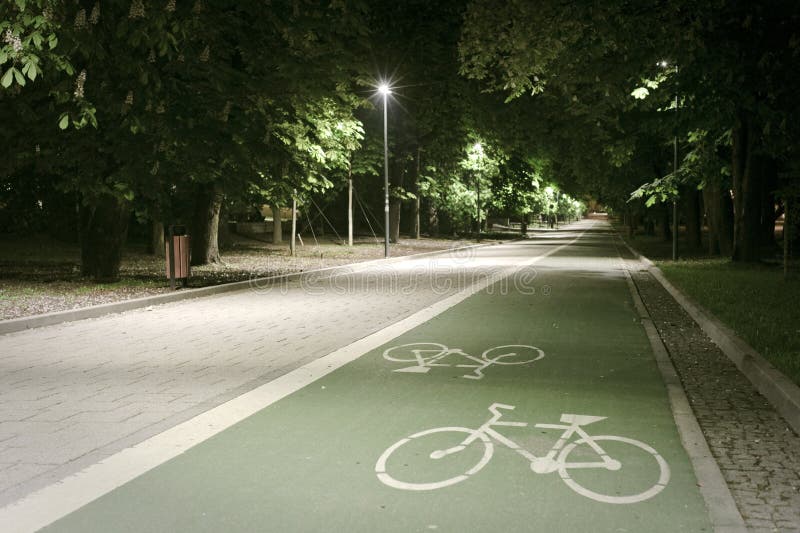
[556, 460]
[426, 355]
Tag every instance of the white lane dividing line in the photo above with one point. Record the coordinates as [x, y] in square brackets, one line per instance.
[55, 501]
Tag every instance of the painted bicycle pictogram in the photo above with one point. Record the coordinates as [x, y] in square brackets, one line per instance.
[567, 457]
[427, 355]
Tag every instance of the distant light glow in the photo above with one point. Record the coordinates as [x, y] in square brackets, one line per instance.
[384, 89]
[663, 63]
[478, 147]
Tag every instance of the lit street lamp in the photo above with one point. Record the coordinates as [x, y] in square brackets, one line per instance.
[385, 90]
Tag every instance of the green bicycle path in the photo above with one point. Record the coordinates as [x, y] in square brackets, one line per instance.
[308, 462]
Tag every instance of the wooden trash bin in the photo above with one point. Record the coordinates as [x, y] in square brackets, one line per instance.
[178, 252]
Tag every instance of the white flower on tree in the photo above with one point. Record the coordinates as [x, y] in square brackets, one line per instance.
[137, 10]
[79, 82]
[80, 20]
[13, 39]
[94, 17]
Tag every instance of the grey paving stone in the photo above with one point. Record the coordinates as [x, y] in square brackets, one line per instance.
[758, 454]
[81, 391]
[19, 473]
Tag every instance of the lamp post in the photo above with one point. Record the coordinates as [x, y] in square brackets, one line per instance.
[675, 200]
[664, 64]
[384, 89]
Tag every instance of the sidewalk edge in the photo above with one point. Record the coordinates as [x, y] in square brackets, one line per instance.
[781, 392]
[94, 311]
[722, 510]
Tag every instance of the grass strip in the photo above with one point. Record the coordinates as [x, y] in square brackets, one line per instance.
[753, 300]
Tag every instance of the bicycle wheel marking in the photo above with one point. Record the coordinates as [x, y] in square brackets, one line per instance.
[557, 459]
[663, 477]
[380, 466]
[426, 355]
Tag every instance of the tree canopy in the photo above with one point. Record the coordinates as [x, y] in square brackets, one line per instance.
[176, 111]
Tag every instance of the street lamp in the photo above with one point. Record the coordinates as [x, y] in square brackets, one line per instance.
[665, 64]
[478, 148]
[385, 91]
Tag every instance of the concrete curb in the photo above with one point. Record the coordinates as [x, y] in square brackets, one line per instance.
[722, 510]
[781, 392]
[94, 311]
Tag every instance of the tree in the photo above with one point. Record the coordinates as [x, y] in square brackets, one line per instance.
[187, 101]
[733, 77]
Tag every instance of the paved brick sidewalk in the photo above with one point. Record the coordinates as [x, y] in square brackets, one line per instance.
[758, 453]
[75, 393]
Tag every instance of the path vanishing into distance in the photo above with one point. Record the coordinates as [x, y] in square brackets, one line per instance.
[511, 387]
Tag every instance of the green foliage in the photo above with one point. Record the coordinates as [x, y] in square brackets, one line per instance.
[600, 98]
[319, 141]
[29, 38]
[659, 190]
[180, 96]
[263, 102]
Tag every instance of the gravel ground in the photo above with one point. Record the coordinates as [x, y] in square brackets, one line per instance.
[758, 453]
[38, 275]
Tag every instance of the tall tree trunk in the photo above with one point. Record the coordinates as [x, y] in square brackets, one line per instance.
[415, 229]
[395, 204]
[350, 206]
[747, 174]
[768, 212]
[433, 220]
[293, 238]
[664, 227]
[712, 213]
[719, 209]
[649, 225]
[694, 221]
[394, 219]
[631, 225]
[786, 222]
[726, 223]
[223, 232]
[277, 227]
[205, 224]
[156, 245]
[103, 230]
